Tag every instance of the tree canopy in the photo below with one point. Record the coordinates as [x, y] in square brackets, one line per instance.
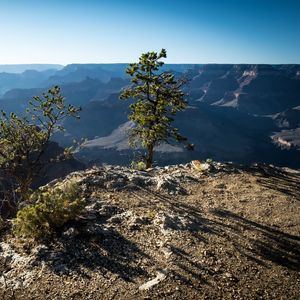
[157, 98]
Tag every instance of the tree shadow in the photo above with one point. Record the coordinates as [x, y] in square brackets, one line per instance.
[94, 248]
[183, 261]
[269, 244]
[186, 267]
[277, 179]
[273, 245]
[195, 221]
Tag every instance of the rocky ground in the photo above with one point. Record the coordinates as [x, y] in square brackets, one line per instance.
[208, 231]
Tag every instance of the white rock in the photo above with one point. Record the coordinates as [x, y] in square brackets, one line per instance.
[161, 275]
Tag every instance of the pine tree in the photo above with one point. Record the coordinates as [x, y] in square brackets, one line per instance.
[157, 98]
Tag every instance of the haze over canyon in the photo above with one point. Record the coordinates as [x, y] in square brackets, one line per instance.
[237, 112]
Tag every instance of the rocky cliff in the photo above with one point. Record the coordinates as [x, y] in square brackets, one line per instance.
[198, 230]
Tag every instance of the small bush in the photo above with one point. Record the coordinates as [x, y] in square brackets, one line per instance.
[50, 210]
[138, 165]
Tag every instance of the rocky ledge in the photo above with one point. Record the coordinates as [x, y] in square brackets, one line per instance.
[199, 230]
[168, 179]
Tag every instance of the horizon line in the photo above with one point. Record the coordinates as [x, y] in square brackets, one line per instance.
[169, 63]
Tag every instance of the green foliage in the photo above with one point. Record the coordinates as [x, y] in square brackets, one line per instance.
[24, 139]
[138, 165]
[50, 210]
[157, 98]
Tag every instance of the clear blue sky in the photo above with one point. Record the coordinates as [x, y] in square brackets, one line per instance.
[199, 31]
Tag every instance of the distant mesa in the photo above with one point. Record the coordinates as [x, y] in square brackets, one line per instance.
[20, 68]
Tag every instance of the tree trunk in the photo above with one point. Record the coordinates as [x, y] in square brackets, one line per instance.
[149, 157]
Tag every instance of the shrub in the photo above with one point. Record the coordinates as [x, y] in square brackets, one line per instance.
[138, 165]
[51, 209]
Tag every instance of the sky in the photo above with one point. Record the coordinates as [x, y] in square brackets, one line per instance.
[112, 31]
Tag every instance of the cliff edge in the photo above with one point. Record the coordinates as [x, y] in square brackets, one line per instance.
[192, 231]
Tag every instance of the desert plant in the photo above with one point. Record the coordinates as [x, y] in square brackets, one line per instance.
[24, 141]
[49, 211]
[138, 165]
[157, 98]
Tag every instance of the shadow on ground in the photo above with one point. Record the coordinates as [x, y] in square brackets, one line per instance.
[271, 244]
[262, 243]
[277, 179]
[94, 248]
[109, 252]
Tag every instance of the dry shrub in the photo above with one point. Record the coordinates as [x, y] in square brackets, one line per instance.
[51, 209]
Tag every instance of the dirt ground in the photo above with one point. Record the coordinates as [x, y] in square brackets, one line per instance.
[234, 235]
